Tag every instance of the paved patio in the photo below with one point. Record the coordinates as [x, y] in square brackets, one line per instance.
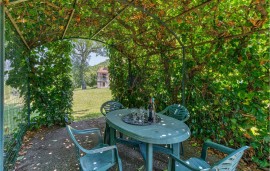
[50, 149]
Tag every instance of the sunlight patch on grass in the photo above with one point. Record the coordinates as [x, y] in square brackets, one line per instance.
[86, 103]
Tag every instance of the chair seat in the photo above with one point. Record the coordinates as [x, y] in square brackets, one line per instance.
[194, 162]
[98, 161]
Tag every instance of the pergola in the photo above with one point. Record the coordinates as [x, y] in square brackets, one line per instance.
[131, 27]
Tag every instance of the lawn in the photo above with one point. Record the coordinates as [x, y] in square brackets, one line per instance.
[86, 103]
[13, 105]
[12, 118]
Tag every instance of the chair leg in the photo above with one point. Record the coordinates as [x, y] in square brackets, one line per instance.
[181, 148]
[142, 147]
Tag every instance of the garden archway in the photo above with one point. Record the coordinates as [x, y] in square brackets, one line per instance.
[134, 28]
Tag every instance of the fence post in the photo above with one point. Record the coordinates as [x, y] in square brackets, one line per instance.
[2, 57]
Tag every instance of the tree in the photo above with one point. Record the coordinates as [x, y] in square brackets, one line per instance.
[80, 58]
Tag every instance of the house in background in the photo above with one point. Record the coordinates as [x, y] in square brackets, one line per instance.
[103, 78]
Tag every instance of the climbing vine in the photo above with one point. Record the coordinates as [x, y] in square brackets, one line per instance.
[226, 62]
[226, 89]
[50, 83]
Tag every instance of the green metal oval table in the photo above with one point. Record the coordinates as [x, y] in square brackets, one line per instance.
[167, 131]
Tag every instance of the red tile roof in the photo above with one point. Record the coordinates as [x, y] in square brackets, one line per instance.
[103, 70]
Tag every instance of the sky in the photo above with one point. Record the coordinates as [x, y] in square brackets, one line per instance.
[96, 59]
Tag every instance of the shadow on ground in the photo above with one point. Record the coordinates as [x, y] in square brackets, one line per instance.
[50, 149]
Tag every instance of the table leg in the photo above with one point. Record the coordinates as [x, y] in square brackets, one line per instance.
[176, 152]
[112, 140]
[149, 157]
[112, 136]
[107, 134]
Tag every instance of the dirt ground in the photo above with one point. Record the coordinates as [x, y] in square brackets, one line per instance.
[50, 149]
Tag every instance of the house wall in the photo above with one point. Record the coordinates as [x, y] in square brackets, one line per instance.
[103, 80]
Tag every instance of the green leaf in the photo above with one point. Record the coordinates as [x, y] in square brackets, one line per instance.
[20, 158]
[234, 121]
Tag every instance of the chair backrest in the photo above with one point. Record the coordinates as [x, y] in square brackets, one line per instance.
[99, 157]
[110, 106]
[72, 132]
[178, 111]
[230, 162]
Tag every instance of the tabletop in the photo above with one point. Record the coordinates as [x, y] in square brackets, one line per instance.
[167, 131]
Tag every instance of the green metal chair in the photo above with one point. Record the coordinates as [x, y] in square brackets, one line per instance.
[229, 163]
[106, 108]
[179, 112]
[100, 158]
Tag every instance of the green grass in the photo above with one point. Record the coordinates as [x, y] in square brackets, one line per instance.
[12, 117]
[13, 105]
[86, 103]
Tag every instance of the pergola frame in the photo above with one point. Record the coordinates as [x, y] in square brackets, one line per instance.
[70, 17]
[2, 57]
[129, 3]
[4, 12]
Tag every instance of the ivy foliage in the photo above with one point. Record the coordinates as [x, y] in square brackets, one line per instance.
[47, 85]
[226, 90]
[226, 57]
[50, 83]
[143, 23]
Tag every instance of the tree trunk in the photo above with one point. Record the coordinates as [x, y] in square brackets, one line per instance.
[82, 78]
[83, 85]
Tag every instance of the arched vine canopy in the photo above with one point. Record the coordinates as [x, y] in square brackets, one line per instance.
[138, 28]
[223, 40]
[144, 24]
